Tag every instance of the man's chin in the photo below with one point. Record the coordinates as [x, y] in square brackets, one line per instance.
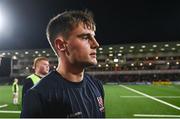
[88, 63]
[45, 73]
[92, 63]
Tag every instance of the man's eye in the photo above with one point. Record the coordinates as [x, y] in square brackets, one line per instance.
[85, 37]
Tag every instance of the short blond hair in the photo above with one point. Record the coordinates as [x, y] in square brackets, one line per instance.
[38, 59]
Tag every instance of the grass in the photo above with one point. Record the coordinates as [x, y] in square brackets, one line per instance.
[119, 101]
[118, 106]
[6, 98]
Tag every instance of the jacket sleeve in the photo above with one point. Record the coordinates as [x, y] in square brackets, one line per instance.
[32, 106]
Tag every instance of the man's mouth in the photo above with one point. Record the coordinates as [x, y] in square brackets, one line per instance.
[93, 55]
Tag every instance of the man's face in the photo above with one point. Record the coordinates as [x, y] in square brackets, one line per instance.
[16, 80]
[42, 67]
[81, 46]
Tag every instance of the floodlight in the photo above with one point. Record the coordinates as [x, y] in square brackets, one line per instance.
[5, 21]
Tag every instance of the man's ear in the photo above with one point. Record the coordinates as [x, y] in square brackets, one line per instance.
[59, 44]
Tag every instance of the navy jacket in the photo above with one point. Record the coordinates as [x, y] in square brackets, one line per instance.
[55, 96]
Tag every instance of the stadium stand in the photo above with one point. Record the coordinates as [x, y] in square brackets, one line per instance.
[132, 63]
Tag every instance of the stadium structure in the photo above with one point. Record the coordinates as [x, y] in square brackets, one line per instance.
[123, 63]
[147, 74]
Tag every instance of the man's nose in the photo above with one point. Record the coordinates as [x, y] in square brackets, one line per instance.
[94, 43]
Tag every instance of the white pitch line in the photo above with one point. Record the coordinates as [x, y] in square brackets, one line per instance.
[153, 98]
[5, 105]
[4, 111]
[155, 115]
[133, 96]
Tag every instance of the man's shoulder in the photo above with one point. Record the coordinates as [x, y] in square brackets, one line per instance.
[94, 83]
[91, 78]
[27, 81]
[49, 81]
[29, 77]
[51, 77]
[47, 85]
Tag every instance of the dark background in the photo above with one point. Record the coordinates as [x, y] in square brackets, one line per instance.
[5, 66]
[118, 22]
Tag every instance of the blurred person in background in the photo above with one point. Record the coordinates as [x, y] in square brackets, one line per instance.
[41, 69]
[15, 90]
[69, 91]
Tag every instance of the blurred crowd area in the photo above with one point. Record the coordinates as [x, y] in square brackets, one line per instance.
[116, 63]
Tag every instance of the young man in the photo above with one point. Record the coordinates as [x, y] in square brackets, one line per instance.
[41, 68]
[15, 90]
[69, 91]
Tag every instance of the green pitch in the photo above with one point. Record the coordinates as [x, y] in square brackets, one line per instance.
[6, 99]
[121, 101]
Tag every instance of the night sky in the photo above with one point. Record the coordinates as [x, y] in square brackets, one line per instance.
[118, 22]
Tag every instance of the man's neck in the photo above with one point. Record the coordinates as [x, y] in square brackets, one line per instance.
[70, 74]
[39, 75]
